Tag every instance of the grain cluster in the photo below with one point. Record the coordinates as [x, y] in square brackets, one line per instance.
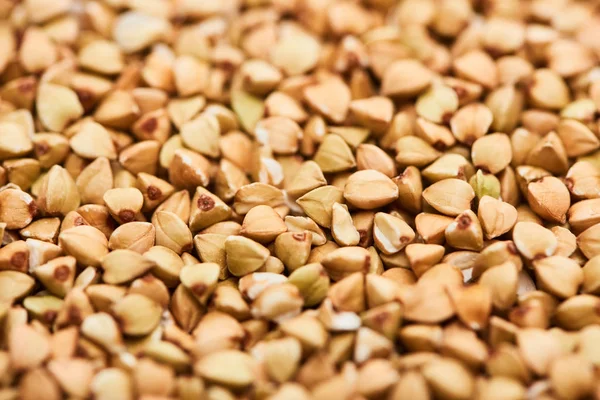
[299, 199]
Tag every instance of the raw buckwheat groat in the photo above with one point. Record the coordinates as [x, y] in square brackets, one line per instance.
[299, 199]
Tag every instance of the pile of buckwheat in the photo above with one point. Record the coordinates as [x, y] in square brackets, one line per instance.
[299, 199]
